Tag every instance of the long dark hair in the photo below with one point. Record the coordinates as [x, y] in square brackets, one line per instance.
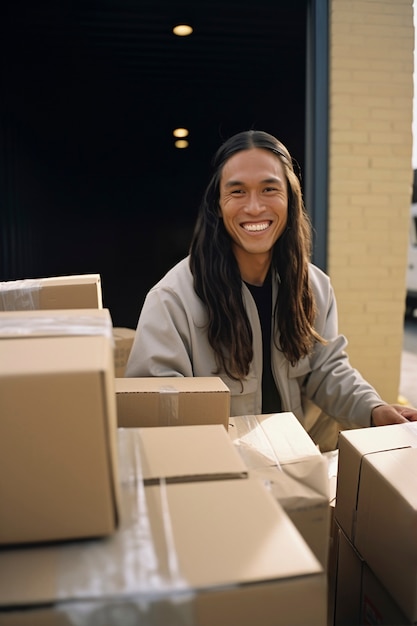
[217, 279]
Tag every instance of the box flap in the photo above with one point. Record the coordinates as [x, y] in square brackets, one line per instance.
[178, 383]
[263, 544]
[174, 537]
[280, 440]
[180, 453]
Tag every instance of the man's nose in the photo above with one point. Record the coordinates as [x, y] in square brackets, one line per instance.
[254, 204]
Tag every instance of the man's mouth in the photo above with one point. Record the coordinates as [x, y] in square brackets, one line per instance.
[255, 227]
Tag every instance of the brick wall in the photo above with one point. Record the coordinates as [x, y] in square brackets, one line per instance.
[370, 179]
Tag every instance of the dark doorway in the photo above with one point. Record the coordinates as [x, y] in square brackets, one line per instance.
[90, 179]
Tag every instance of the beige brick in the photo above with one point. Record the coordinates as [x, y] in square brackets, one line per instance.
[374, 125]
[370, 178]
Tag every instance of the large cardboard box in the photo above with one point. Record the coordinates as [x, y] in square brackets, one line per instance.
[199, 554]
[60, 292]
[386, 527]
[360, 597]
[376, 505]
[179, 454]
[172, 401]
[354, 445]
[278, 450]
[123, 341]
[58, 426]
[348, 583]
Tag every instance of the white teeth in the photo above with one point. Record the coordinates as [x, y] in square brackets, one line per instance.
[256, 227]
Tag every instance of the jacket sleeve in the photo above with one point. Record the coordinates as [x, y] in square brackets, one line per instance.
[333, 384]
[162, 341]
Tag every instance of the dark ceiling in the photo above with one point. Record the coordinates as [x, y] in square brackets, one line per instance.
[92, 90]
[244, 63]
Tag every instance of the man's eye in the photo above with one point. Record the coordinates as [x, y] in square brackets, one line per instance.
[269, 189]
[236, 192]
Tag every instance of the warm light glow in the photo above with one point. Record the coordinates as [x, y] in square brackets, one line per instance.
[181, 143]
[180, 132]
[182, 30]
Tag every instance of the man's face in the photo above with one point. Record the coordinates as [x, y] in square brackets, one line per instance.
[254, 203]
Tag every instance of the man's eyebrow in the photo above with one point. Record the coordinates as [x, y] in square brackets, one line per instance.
[237, 183]
[233, 183]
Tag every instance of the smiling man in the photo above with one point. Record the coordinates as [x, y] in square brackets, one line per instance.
[254, 209]
[248, 305]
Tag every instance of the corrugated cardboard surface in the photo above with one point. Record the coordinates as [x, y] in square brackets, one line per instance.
[377, 605]
[172, 401]
[359, 596]
[277, 449]
[386, 526]
[179, 453]
[353, 446]
[221, 552]
[123, 341]
[60, 292]
[58, 470]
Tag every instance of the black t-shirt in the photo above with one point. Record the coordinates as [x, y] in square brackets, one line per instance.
[271, 401]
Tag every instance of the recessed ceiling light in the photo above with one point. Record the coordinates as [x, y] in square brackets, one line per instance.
[181, 143]
[180, 132]
[182, 30]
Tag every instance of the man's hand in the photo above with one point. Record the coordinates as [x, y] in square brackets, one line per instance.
[385, 414]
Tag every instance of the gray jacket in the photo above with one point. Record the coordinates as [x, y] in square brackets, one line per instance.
[323, 390]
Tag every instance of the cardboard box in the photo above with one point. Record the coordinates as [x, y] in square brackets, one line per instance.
[60, 292]
[360, 597]
[376, 505]
[354, 445]
[176, 401]
[58, 426]
[278, 450]
[348, 582]
[179, 454]
[213, 552]
[377, 605]
[123, 341]
[386, 527]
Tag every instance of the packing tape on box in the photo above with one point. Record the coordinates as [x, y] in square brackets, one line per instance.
[20, 295]
[56, 325]
[168, 408]
[134, 585]
[104, 582]
[253, 443]
[257, 451]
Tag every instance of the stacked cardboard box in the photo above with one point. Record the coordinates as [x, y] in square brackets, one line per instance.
[52, 293]
[81, 291]
[166, 522]
[58, 451]
[191, 550]
[169, 401]
[376, 517]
